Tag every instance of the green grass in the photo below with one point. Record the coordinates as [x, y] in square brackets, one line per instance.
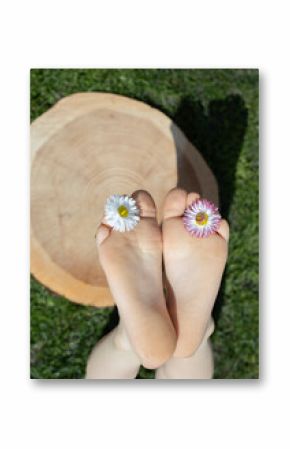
[218, 111]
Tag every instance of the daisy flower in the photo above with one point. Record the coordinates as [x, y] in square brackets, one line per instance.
[201, 218]
[121, 213]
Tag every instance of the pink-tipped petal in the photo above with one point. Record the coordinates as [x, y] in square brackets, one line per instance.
[201, 218]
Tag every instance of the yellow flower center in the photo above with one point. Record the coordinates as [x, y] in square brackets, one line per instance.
[123, 211]
[201, 218]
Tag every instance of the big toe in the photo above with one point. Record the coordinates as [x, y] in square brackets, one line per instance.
[191, 197]
[174, 203]
[145, 203]
[102, 233]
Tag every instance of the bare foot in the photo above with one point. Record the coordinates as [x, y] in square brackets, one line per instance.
[194, 268]
[132, 262]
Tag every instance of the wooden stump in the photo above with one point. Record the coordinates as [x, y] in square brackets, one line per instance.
[85, 148]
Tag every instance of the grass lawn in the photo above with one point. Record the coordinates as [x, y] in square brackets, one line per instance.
[218, 111]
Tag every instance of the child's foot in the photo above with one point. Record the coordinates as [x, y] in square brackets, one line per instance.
[194, 268]
[132, 262]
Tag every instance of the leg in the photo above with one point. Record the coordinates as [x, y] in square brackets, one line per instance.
[198, 366]
[113, 357]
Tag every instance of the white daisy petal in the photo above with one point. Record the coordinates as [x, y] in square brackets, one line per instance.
[121, 213]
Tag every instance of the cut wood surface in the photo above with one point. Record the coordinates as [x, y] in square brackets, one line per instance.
[85, 148]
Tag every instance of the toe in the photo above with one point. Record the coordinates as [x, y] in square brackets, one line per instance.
[145, 203]
[224, 230]
[175, 203]
[191, 197]
[102, 233]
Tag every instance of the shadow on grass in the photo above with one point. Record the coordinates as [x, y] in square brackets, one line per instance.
[112, 322]
[218, 134]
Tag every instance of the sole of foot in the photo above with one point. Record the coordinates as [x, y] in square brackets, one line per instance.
[132, 262]
[194, 268]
